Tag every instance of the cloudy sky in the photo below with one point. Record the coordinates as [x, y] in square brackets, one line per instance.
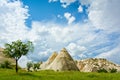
[87, 28]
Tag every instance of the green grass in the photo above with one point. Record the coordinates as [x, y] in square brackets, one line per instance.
[9, 74]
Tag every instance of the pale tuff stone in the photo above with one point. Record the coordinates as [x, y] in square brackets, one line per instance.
[95, 64]
[63, 62]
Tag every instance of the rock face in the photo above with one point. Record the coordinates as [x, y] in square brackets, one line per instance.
[49, 61]
[95, 64]
[63, 62]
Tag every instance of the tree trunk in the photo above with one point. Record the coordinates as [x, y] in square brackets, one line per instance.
[16, 65]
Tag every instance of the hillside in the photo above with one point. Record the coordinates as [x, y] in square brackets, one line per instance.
[4, 58]
[95, 64]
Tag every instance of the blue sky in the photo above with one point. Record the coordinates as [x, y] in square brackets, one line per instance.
[86, 28]
[48, 11]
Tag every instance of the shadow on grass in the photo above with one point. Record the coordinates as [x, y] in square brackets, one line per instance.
[29, 75]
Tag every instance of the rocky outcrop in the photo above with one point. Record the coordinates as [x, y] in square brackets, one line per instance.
[49, 61]
[95, 64]
[63, 62]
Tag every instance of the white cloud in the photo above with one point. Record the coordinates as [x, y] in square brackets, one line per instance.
[59, 16]
[80, 40]
[112, 55]
[69, 17]
[64, 3]
[74, 49]
[80, 9]
[86, 2]
[73, 46]
[52, 0]
[104, 14]
[12, 20]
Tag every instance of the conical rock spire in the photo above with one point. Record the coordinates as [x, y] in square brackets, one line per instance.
[49, 61]
[63, 62]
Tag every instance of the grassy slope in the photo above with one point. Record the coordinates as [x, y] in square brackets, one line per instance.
[6, 74]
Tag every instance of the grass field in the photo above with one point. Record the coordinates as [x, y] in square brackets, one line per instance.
[9, 74]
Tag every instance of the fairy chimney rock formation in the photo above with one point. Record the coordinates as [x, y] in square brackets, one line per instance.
[63, 62]
[49, 61]
[95, 64]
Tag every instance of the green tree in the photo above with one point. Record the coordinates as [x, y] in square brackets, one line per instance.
[36, 66]
[16, 49]
[29, 65]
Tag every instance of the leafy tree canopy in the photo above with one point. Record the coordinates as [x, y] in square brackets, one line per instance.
[16, 49]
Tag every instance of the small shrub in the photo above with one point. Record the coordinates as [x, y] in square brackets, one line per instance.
[36, 66]
[29, 65]
[102, 70]
[6, 64]
[113, 70]
[2, 65]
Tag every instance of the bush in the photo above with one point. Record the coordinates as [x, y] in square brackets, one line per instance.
[113, 70]
[36, 66]
[6, 64]
[102, 70]
[29, 65]
[33, 66]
